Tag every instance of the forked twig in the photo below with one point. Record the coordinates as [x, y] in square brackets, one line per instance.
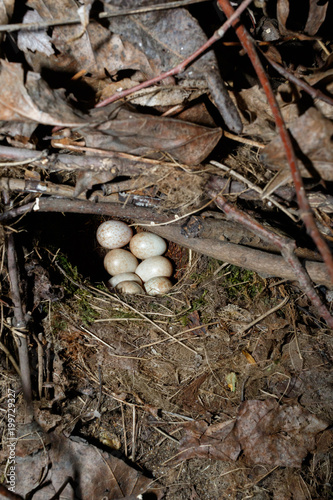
[305, 209]
[286, 246]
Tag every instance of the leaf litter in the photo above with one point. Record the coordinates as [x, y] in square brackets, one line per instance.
[215, 390]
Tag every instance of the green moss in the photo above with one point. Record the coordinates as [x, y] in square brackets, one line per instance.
[241, 282]
[77, 296]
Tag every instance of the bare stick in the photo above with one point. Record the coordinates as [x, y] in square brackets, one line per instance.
[287, 247]
[305, 209]
[180, 67]
[239, 255]
[20, 324]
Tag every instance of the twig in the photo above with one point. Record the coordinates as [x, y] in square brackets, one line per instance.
[124, 428]
[102, 15]
[305, 209]
[243, 140]
[263, 316]
[180, 67]
[286, 246]
[23, 162]
[252, 186]
[20, 325]
[133, 434]
[10, 357]
[84, 207]
[256, 260]
[314, 93]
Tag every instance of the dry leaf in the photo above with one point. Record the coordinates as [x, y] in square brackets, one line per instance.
[312, 134]
[167, 38]
[276, 435]
[215, 441]
[231, 379]
[249, 357]
[92, 473]
[6, 11]
[288, 17]
[147, 135]
[265, 432]
[34, 101]
[36, 40]
[149, 43]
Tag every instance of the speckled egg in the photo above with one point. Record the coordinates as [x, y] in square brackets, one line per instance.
[118, 278]
[154, 266]
[113, 234]
[131, 287]
[145, 245]
[158, 285]
[119, 261]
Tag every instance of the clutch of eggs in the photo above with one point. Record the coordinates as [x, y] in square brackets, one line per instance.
[127, 274]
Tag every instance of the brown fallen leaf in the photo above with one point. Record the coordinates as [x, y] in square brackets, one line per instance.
[167, 38]
[316, 14]
[6, 12]
[265, 432]
[94, 49]
[188, 396]
[312, 137]
[146, 135]
[90, 473]
[33, 100]
[274, 434]
[215, 441]
[149, 44]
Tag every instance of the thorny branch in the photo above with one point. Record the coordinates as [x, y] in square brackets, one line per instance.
[305, 209]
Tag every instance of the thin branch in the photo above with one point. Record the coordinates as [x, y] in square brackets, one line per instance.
[287, 247]
[102, 15]
[314, 93]
[263, 316]
[305, 209]
[250, 184]
[239, 255]
[20, 325]
[180, 67]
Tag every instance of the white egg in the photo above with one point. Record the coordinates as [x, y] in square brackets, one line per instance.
[158, 285]
[145, 245]
[119, 261]
[154, 266]
[113, 234]
[118, 278]
[131, 287]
